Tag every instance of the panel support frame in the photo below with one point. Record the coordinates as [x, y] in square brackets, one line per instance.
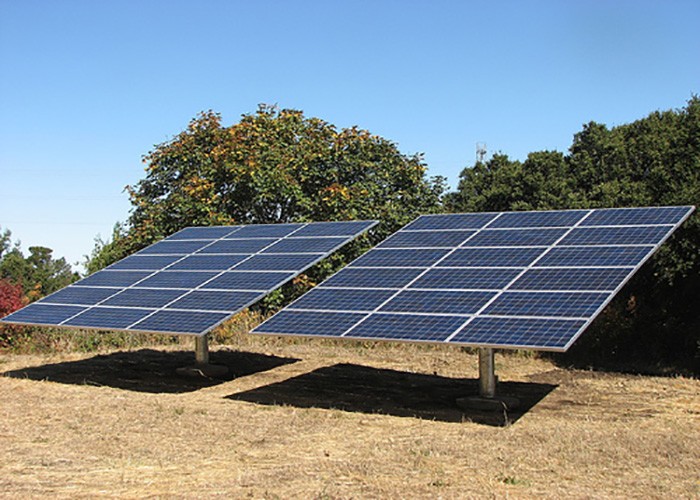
[202, 367]
[488, 399]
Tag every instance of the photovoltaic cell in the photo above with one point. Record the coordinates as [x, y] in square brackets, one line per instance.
[208, 262]
[306, 245]
[422, 257]
[278, 262]
[594, 256]
[491, 257]
[407, 327]
[192, 280]
[507, 332]
[425, 239]
[438, 301]
[567, 304]
[40, 313]
[342, 299]
[203, 233]
[636, 216]
[82, 295]
[641, 235]
[372, 278]
[107, 317]
[450, 221]
[520, 220]
[238, 246]
[144, 262]
[143, 297]
[467, 278]
[508, 280]
[515, 237]
[583, 279]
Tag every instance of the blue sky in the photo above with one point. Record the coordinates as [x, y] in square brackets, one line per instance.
[88, 87]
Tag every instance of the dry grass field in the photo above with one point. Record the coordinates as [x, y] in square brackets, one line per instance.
[318, 419]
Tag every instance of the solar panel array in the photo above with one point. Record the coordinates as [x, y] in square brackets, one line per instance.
[505, 280]
[193, 280]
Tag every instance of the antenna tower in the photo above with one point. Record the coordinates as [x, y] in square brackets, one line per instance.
[480, 152]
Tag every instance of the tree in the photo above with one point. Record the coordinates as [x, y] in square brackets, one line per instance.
[652, 161]
[38, 274]
[273, 166]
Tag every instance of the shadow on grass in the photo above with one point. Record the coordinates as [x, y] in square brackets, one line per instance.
[364, 389]
[149, 370]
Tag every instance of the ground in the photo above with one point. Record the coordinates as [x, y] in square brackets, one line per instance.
[320, 419]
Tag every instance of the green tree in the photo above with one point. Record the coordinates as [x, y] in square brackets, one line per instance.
[273, 166]
[652, 161]
[38, 274]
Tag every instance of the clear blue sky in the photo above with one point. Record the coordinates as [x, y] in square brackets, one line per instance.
[88, 87]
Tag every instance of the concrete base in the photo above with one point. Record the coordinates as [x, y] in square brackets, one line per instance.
[496, 403]
[203, 371]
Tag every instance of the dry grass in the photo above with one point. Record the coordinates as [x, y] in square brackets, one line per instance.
[305, 419]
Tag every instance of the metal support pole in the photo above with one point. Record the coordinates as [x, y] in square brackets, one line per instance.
[201, 350]
[487, 373]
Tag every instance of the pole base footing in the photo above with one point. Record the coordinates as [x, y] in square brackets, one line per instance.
[496, 403]
[203, 371]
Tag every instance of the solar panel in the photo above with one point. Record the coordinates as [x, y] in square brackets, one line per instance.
[496, 280]
[192, 280]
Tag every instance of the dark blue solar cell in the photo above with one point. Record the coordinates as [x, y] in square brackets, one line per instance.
[108, 317]
[325, 324]
[491, 257]
[342, 299]
[451, 221]
[372, 278]
[348, 228]
[266, 230]
[438, 301]
[631, 216]
[650, 235]
[198, 262]
[209, 300]
[181, 247]
[515, 237]
[590, 279]
[144, 262]
[144, 297]
[425, 239]
[177, 279]
[237, 246]
[464, 279]
[80, 295]
[562, 218]
[113, 278]
[278, 262]
[306, 245]
[422, 257]
[519, 332]
[411, 327]
[203, 233]
[241, 280]
[42, 314]
[570, 304]
[187, 322]
[593, 256]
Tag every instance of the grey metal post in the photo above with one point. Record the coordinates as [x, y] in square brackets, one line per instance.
[487, 373]
[201, 349]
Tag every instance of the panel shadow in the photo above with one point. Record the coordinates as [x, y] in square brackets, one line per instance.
[149, 370]
[364, 389]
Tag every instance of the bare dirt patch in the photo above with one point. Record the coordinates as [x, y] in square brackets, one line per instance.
[321, 419]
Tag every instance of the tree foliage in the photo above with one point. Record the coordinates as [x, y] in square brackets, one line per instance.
[652, 161]
[273, 166]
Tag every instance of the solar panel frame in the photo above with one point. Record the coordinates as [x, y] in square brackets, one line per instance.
[134, 275]
[567, 320]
